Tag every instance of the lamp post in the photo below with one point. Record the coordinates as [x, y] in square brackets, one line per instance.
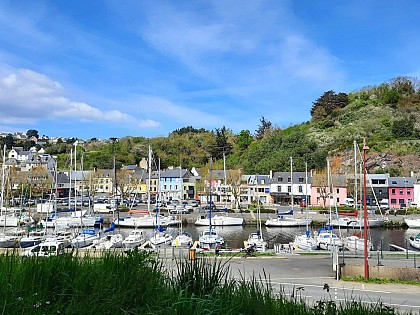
[365, 215]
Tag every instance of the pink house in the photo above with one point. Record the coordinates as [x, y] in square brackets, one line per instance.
[322, 196]
[400, 191]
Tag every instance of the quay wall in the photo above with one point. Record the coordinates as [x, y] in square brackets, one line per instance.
[381, 272]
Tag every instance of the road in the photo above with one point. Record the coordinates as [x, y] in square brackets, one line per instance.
[309, 277]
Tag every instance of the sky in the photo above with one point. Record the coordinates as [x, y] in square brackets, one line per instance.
[102, 69]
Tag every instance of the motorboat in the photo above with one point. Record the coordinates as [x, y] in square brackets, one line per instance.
[134, 239]
[326, 239]
[356, 243]
[219, 220]
[256, 241]
[33, 238]
[305, 242]
[210, 239]
[85, 238]
[415, 241]
[160, 237]
[183, 239]
[109, 241]
[412, 222]
[284, 221]
[146, 221]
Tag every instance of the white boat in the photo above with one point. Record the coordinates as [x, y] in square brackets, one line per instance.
[355, 243]
[305, 242]
[326, 239]
[183, 239]
[64, 236]
[220, 220]
[160, 238]
[146, 221]
[283, 221]
[256, 240]
[134, 239]
[412, 222]
[84, 239]
[355, 223]
[33, 238]
[210, 239]
[8, 241]
[415, 241]
[109, 241]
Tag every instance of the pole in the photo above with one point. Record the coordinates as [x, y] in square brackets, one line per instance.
[365, 215]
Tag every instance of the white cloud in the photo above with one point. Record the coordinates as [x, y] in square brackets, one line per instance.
[27, 97]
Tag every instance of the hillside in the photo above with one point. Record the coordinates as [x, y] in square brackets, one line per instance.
[387, 115]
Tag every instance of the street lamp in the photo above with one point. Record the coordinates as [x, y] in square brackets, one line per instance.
[365, 215]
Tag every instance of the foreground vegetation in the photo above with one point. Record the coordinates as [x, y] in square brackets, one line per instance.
[135, 283]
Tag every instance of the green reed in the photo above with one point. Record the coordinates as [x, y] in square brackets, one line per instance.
[135, 283]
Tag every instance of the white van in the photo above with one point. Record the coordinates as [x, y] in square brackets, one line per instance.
[348, 202]
[384, 204]
[45, 249]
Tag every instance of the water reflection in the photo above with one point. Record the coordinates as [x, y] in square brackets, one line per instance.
[236, 235]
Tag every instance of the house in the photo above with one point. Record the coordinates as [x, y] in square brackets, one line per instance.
[400, 191]
[174, 184]
[376, 188]
[255, 187]
[289, 187]
[326, 193]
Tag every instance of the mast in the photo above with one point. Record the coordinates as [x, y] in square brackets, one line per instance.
[329, 187]
[306, 195]
[71, 170]
[211, 203]
[224, 175]
[291, 181]
[355, 175]
[2, 185]
[149, 178]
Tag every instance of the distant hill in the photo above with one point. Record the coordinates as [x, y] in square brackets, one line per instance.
[387, 115]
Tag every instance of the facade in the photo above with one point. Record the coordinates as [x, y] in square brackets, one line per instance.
[377, 188]
[287, 187]
[325, 195]
[400, 191]
[256, 187]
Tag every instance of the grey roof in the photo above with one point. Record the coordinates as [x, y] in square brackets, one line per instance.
[283, 178]
[175, 173]
[257, 179]
[406, 182]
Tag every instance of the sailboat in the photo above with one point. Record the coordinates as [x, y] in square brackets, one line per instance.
[146, 220]
[256, 239]
[210, 238]
[160, 236]
[306, 241]
[325, 237]
[282, 220]
[6, 241]
[220, 220]
[355, 242]
[183, 239]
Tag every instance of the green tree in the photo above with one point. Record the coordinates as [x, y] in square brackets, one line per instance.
[403, 128]
[32, 133]
[264, 128]
[221, 145]
[243, 140]
[327, 103]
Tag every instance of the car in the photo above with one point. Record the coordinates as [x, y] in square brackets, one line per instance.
[45, 249]
[195, 203]
[302, 204]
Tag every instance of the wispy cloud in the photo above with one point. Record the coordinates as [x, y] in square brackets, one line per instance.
[27, 97]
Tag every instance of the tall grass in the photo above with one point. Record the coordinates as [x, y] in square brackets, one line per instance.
[135, 283]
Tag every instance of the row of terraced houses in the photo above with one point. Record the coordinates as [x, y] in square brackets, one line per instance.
[37, 169]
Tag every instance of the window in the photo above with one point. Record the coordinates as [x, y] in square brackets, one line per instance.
[393, 191]
[318, 190]
[300, 189]
[278, 188]
[288, 179]
[401, 192]
[300, 180]
[280, 179]
[338, 190]
[400, 201]
[262, 181]
[289, 188]
[393, 201]
[408, 192]
[394, 182]
[380, 191]
[338, 200]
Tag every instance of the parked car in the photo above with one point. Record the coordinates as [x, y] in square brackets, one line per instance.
[195, 203]
[179, 210]
[45, 249]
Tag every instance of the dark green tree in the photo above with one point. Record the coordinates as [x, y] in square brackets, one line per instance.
[264, 128]
[327, 103]
[221, 145]
[404, 127]
[32, 133]
[243, 140]
[9, 141]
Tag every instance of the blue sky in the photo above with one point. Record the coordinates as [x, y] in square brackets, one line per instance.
[145, 68]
